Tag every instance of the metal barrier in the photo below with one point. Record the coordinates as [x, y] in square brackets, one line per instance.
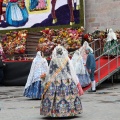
[96, 44]
[101, 55]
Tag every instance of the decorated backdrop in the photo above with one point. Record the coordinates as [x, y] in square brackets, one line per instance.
[16, 14]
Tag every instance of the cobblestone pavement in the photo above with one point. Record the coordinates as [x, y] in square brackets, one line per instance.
[102, 105]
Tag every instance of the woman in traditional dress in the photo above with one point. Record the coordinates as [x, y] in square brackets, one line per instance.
[109, 47]
[34, 88]
[80, 69]
[83, 49]
[16, 14]
[41, 5]
[33, 4]
[61, 97]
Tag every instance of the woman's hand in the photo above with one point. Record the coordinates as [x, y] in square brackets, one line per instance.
[43, 76]
[89, 70]
[80, 90]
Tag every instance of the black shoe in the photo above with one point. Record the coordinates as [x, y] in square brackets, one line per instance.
[92, 91]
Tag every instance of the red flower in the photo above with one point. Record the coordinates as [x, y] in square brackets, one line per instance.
[86, 36]
[13, 0]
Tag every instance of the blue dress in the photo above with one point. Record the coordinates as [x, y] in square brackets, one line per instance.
[84, 79]
[33, 4]
[34, 86]
[34, 91]
[16, 16]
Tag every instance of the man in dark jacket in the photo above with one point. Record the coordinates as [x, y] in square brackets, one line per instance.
[1, 70]
[91, 66]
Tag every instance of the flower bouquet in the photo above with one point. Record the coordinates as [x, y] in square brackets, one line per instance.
[67, 37]
[14, 42]
[20, 49]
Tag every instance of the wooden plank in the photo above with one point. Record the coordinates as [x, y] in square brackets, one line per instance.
[31, 44]
[34, 34]
[35, 37]
[32, 41]
[29, 49]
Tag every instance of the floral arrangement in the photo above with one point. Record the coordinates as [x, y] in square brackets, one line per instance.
[14, 42]
[20, 49]
[103, 34]
[99, 34]
[68, 37]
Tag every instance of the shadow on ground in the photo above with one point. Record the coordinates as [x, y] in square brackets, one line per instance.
[59, 118]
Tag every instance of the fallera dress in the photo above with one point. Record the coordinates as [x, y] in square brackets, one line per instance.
[62, 97]
[80, 69]
[34, 87]
[110, 45]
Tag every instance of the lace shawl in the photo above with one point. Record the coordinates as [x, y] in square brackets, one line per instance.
[56, 62]
[38, 67]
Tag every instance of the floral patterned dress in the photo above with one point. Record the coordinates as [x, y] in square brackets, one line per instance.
[111, 46]
[62, 98]
[111, 49]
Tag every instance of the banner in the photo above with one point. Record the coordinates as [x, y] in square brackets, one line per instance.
[16, 14]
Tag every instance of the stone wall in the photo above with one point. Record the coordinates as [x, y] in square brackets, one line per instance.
[102, 14]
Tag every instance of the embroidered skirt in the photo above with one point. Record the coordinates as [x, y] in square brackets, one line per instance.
[61, 100]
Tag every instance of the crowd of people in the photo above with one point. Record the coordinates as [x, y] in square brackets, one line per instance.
[59, 84]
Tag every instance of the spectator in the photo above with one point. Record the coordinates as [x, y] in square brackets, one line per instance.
[1, 70]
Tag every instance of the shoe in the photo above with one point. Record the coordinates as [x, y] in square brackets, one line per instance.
[93, 90]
